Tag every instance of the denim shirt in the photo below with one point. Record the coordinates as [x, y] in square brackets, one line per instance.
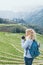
[26, 44]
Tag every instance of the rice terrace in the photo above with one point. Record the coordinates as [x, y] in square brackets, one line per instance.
[11, 52]
[16, 18]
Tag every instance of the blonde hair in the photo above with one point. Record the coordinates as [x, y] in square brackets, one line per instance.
[31, 33]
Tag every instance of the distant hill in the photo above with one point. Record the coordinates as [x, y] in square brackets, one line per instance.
[14, 28]
[35, 18]
[13, 21]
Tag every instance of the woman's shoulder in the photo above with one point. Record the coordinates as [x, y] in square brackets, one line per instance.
[29, 41]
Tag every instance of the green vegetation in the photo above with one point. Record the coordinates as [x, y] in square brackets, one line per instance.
[11, 51]
[14, 28]
[31, 22]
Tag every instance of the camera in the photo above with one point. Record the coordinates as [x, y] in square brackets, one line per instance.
[23, 37]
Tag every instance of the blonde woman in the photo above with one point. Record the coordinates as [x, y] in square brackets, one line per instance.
[27, 41]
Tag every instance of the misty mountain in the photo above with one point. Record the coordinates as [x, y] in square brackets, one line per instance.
[35, 18]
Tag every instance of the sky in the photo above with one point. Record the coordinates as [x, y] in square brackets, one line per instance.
[20, 5]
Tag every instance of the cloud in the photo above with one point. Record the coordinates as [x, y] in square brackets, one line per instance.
[19, 5]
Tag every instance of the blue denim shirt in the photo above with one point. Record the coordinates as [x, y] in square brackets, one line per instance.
[26, 44]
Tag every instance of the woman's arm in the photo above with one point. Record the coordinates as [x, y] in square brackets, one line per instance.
[25, 44]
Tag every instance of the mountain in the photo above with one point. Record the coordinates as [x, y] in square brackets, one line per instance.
[35, 18]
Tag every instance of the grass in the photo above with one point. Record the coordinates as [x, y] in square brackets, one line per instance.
[11, 51]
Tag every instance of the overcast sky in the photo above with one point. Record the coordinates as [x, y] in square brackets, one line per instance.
[20, 5]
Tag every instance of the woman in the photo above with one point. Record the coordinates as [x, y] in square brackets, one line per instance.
[27, 42]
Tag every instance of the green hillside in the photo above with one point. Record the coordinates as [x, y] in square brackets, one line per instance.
[11, 51]
[14, 28]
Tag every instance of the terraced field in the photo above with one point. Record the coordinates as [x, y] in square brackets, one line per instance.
[11, 52]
